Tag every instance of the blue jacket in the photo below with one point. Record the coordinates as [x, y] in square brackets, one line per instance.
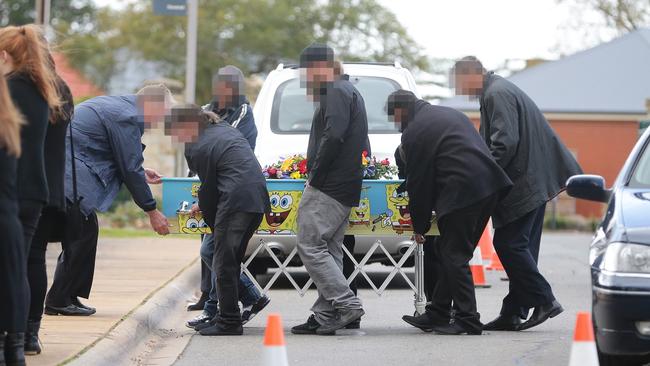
[107, 133]
[241, 118]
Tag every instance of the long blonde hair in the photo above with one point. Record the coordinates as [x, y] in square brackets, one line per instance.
[29, 53]
[10, 121]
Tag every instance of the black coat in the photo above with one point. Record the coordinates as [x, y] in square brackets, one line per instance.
[231, 178]
[338, 137]
[55, 149]
[525, 146]
[448, 166]
[32, 182]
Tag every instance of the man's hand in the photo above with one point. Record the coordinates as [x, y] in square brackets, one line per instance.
[419, 238]
[152, 176]
[158, 222]
[194, 210]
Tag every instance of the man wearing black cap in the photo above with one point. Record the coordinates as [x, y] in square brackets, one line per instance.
[449, 170]
[339, 134]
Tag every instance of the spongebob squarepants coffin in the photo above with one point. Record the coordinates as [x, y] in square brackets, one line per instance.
[381, 211]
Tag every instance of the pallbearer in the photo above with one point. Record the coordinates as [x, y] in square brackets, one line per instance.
[449, 170]
[233, 199]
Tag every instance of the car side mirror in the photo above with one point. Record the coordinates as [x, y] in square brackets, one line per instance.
[588, 187]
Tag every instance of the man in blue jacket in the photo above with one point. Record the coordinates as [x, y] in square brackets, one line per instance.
[106, 134]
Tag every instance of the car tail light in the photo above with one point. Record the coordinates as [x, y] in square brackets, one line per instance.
[643, 327]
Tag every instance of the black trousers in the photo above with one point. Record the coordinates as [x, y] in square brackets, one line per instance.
[517, 245]
[231, 238]
[348, 266]
[75, 267]
[14, 292]
[36, 266]
[29, 213]
[460, 232]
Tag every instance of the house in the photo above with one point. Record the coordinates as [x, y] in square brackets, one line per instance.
[81, 87]
[593, 99]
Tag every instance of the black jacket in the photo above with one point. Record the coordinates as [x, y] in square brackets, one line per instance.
[240, 117]
[32, 182]
[448, 166]
[231, 178]
[55, 149]
[524, 145]
[339, 134]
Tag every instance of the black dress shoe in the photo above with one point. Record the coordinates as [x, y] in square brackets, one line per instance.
[200, 304]
[541, 314]
[219, 329]
[70, 310]
[504, 322]
[343, 318]
[204, 317]
[422, 322]
[32, 343]
[454, 329]
[308, 327]
[249, 313]
[77, 303]
[354, 325]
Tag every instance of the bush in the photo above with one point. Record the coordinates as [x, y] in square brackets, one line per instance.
[573, 222]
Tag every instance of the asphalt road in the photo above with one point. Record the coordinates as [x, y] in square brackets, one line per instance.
[384, 339]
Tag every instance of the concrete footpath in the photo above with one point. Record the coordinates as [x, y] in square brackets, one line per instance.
[129, 272]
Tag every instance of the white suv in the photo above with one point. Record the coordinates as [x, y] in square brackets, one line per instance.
[283, 115]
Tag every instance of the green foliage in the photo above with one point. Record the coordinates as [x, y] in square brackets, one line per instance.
[80, 13]
[254, 35]
[575, 223]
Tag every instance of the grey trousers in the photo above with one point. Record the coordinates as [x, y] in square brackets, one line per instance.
[322, 222]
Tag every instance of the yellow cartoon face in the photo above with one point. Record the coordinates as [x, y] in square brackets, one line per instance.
[192, 225]
[398, 206]
[284, 211]
[360, 215]
[195, 189]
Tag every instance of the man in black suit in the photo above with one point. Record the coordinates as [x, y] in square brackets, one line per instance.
[523, 143]
[449, 170]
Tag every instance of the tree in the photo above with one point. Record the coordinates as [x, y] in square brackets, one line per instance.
[255, 35]
[624, 15]
[19, 12]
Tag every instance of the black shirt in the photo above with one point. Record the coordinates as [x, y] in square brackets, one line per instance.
[231, 178]
[339, 134]
[32, 183]
[448, 166]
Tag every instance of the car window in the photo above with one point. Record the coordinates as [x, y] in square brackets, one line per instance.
[641, 175]
[292, 112]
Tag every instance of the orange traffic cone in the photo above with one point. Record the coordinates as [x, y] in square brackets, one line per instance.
[583, 350]
[275, 350]
[495, 263]
[476, 266]
[486, 243]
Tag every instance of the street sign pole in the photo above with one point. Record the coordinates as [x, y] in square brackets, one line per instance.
[190, 70]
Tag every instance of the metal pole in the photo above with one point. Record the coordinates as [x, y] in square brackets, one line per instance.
[40, 10]
[420, 297]
[190, 70]
[47, 5]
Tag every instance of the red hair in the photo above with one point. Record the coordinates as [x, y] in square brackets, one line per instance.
[10, 121]
[28, 50]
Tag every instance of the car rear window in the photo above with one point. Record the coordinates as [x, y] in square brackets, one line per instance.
[641, 176]
[292, 112]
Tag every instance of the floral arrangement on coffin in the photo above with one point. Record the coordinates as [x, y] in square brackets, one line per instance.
[373, 169]
[292, 167]
[295, 167]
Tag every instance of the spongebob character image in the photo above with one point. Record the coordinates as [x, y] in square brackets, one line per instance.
[192, 225]
[360, 215]
[195, 189]
[283, 215]
[398, 207]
